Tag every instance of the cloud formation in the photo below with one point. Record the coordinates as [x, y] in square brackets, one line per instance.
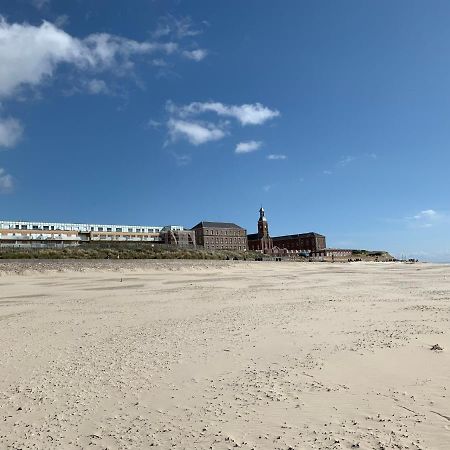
[195, 55]
[350, 159]
[194, 121]
[29, 55]
[179, 28]
[195, 132]
[96, 86]
[274, 157]
[10, 132]
[182, 160]
[247, 147]
[427, 214]
[246, 114]
[346, 161]
[427, 218]
[6, 181]
[39, 4]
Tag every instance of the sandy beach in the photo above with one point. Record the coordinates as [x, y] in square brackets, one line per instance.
[221, 355]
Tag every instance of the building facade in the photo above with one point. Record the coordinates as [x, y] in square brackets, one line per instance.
[261, 241]
[220, 236]
[303, 242]
[59, 234]
[176, 235]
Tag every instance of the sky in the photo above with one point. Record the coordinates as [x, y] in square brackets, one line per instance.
[335, 116]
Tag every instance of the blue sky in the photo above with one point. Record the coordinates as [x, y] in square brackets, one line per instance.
[333, 115]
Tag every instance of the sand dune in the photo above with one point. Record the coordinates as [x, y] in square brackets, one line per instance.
[221, 355]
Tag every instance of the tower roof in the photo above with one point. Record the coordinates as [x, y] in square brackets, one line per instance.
[262, 214]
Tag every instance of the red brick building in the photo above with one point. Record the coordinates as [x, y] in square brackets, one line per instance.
[220, 236]
[303, 242]
[309, 242]
[261, 241]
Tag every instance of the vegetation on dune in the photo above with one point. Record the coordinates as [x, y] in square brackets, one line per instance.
[121, 251]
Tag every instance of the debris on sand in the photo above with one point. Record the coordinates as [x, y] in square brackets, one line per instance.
[436, 347]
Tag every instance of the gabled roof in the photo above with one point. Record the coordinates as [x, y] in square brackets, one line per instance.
[217, 225]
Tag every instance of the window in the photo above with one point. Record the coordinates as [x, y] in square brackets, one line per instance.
[52, 227]
[24, 227]
[130, 230]
[119, 230]
[100, 228]
[46, 227]
[109, 229]
[92, 228]
[17, 227]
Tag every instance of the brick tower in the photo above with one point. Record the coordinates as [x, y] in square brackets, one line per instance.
[263, 233]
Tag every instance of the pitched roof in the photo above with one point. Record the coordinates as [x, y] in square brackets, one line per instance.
[294, 236]
[217, 225]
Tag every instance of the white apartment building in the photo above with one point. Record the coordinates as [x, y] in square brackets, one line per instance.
[58, 234]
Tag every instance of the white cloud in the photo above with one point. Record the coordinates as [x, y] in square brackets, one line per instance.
[274, 157]
[349, 159]
[61, 20]
[177, 27]
[327, 172]
[346, 161]
[184, 121]
[195, 132]
[30, 54]
[267, 187]
[182, 160]
[427, 214]
[427, 218]
[247, 147]
[96, 86]
[11, 131]
[154, 124]
[195, 55]
[159, 62]
[6, 181]
[246, 114]
[39, 4]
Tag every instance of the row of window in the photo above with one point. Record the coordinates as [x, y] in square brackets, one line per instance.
[33, 227]
[224, 240]
[128, 230]
[37, 236]
[225, 233]
[110, 229]
[226, 247]
[126, 236]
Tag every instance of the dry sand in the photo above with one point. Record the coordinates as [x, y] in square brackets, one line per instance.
[218, 355]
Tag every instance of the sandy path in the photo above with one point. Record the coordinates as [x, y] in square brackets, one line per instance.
[201, 355]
